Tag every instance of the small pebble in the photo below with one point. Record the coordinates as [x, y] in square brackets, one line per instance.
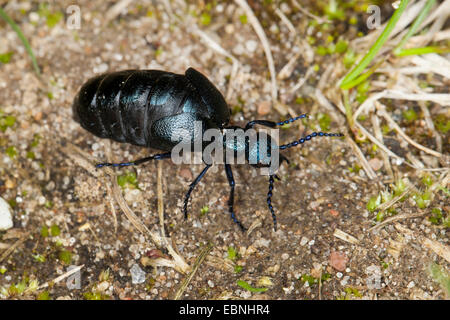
[264, 108]
[376, 164]
[338, 260]
[6, 221]
[137, 274]
[251, 45]
[304, 241]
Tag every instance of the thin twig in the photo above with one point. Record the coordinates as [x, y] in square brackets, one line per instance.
[362, 160]
[393, 124]
[378, 134]
[265, 43]
[61, 277]
[14, 246]
[201, 257]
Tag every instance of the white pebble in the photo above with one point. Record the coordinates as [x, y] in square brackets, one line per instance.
[304, 241]
[137, 274]
[339, 275]
[411, 285]
[6, 221]
[251, 45]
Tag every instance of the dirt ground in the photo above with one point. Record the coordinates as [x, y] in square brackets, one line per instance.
[67, 213]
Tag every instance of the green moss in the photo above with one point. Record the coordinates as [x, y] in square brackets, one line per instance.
[31, 155]
[373, 203]
[356, 168]
[44, 295]
[321, 50]
[96, 296]
[422, 200]
[399, 187]
[436, 216]
[237, 269]
[349, 294]
[51, 17]
[232, 253]
[324, 121]
[54, 230]
[35, 142]
[243, 19]
[362, 91]
[150, 284]
[6, 57]
[427, 180]
[11, 152]
[341, 46]
[65, 256]
[441, 276]
[6, 121]
[442, 123]
[44, 232]
[128, 180]
[312, 281]
[333, 11]
[39, 257]
[204, 210]
[410, 115]
[205, 18]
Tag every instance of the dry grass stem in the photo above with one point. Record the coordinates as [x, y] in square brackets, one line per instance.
[382, 112]
[201, 257]
[362, 160]
[61, 277]
[265, 43]
[345, 236]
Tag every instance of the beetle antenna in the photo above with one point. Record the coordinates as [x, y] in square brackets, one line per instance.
[292, 119]
[269, 202]
[309, 137]
[272, 124]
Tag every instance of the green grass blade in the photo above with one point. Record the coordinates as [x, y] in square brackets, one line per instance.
[248, 287]
[22, 38]
[422, 15]
[361, 78]
[423, 50]
[376, 46]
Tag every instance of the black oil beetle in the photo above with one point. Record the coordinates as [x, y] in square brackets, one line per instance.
[146, 107]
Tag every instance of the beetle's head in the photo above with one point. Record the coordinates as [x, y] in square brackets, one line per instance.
[262, 150]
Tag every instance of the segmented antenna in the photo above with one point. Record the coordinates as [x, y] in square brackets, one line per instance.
[292, 119]
[269, 202]
[309, 137]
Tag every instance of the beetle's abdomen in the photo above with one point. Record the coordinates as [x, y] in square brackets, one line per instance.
[123, 105]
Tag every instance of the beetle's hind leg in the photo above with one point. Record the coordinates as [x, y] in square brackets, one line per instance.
[136, 162]
[231, 199]
[191, 187]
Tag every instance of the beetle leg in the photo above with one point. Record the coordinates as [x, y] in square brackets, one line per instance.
[283, 158]
[231, 199]
[191, 187]
[269, 202]
[136, 162]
